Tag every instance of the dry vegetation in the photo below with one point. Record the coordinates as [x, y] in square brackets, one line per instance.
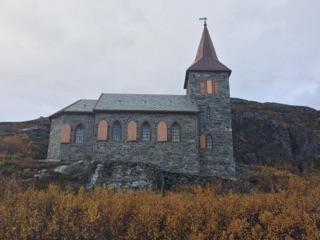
[290, 211]
[15, 146]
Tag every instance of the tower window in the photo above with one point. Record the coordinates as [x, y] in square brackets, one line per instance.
[175, 133]
[209, 87]
[202, 141]
[146, 132]
[209, 142]
[79, 135]
[116, 131]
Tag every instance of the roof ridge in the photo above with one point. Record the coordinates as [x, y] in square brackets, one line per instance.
[142, 94]
[94, 107]
[145, 102]
[87, 99]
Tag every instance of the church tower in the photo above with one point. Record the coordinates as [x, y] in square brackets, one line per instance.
[207, 84]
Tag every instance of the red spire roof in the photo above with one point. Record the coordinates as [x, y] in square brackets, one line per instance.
[206, 59]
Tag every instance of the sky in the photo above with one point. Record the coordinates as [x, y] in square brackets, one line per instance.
[53, 53]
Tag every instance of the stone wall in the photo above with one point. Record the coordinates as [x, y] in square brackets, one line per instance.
[218, 161]
[72, 151]
[54, 138]
[175, 157]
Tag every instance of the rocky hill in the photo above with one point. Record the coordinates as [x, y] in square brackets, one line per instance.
[270, 133]
[263, 133]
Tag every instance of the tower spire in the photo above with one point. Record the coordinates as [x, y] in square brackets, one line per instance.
[206, 59]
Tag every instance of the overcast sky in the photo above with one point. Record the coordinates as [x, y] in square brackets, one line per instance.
[53, 53]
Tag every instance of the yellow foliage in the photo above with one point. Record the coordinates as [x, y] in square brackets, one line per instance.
[18, 145]
[292, 213]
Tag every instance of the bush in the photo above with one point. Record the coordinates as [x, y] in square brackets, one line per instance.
[291, 213]
[19, 145]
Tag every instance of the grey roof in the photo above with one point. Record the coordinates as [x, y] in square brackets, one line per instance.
[82, 106]
[145, 102]
[132, 102]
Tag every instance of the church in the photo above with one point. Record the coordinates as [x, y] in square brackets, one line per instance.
[189, 133]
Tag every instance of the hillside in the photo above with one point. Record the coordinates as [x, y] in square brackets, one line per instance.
[25, 139]
[271, 133]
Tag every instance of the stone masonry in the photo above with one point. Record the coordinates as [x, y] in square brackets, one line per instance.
[217, 122]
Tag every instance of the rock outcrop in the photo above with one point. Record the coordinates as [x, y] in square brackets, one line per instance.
[270, 133]
[115, 175]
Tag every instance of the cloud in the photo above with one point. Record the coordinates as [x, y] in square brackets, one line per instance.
[53, 53]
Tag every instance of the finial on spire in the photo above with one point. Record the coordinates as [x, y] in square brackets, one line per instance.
[204, 19]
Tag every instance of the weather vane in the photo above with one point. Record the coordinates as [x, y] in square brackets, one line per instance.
[204, 19]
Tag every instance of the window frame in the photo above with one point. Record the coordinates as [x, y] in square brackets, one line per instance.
[142, 134]
[209, 87]
[65, 134]
[172, 133]
[119, 134]
[132, 129]
[162, 131]
[103, 130]
[79, 139]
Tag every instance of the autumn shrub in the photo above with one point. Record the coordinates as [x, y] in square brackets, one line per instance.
[18, 145]
[201, 213]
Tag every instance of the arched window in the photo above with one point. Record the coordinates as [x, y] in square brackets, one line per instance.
[132, 131]
[79, 135]
[65, 133]
[162, 132]
[116, 131]
[175, 133]
[146, 132]
[209, 86]
[102, 130]
[209, 143]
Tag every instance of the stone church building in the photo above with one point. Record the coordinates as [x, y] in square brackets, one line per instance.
[189, 133]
